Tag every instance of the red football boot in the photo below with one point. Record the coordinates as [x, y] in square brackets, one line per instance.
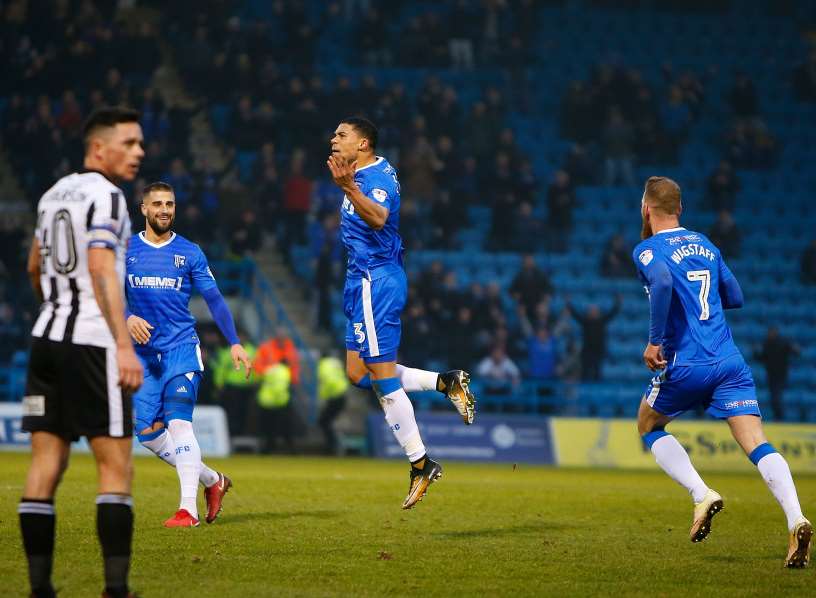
[214, 495]
[182, 518]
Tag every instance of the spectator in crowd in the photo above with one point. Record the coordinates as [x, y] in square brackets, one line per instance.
[750, 144]
[297, 193]
[808, 263]
[775, 354]
[526, 186]
[528, 229]
[531, 285]
[247, 235]
[278, 349]
[234, 391]
[616, 260]
[277, 365]
[804, 79]
[725, 234]
[181, 182]
[497, 371]
[676, 120]
[370, 41]
[594, 323]
[332, 385]
[560, 204]
[722, 188]
[459, 337]
[743, 97]
[462, 25]
[418, 334]
[542, 351]
[577, 113]
[618, 143]
[580, 166]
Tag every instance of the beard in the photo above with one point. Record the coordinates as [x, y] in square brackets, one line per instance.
[645, 229]
[157, 225]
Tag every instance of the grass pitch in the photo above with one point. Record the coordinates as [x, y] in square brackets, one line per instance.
[331, 527]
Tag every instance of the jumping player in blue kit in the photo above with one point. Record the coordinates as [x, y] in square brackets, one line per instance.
[698, 363]
[375, 294]
[163, 269]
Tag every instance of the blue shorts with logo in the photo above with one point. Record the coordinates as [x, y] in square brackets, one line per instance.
[725, 389]
[170, 387]
[373, 306]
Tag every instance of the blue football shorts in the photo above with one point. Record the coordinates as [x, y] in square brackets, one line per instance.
[373, 309]
[725, 389]
[170, 387]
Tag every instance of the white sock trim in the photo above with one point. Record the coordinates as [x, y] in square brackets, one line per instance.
[414, 380]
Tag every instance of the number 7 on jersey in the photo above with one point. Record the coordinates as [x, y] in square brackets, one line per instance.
[704, 276]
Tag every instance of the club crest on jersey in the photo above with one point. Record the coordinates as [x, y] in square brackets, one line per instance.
[179, 260]
[646, 256]
[131, 260]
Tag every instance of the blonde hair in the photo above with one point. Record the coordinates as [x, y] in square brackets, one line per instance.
[663, 194]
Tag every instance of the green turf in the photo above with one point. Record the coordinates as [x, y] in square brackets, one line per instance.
[327, 527]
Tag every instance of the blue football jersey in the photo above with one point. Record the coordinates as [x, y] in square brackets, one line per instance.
[160, 279]
[696, 330]
[368, 248]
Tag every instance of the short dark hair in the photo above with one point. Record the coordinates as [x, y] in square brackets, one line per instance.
[108, 116]
[157, 186]
[364, 127]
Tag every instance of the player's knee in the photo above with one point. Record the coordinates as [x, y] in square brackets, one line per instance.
[180, 426]
[45, 474]
[115, 472]
[359, 377]
[154, 430]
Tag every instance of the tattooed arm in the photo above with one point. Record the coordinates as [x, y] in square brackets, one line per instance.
[108, 290]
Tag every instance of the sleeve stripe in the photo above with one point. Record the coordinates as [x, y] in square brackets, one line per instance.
[114, 205]
[107, 227]
[90, 216]
[102, 244]
[104, 235]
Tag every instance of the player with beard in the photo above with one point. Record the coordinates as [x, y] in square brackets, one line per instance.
[163, 268]
[698, 363]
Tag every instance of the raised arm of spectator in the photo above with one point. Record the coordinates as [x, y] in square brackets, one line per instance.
[614, 310]
[524, 321]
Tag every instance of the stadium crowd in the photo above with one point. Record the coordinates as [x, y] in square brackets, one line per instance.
[252, 72]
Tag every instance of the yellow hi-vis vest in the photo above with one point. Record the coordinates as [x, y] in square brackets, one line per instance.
[224, 372]
[332, 381]
[274, 391]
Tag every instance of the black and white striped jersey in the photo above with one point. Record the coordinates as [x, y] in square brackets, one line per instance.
[82, 210]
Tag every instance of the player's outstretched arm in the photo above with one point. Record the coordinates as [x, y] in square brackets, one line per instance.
[33, 268]
[107, 289]
[373, 214]
[223, 319]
